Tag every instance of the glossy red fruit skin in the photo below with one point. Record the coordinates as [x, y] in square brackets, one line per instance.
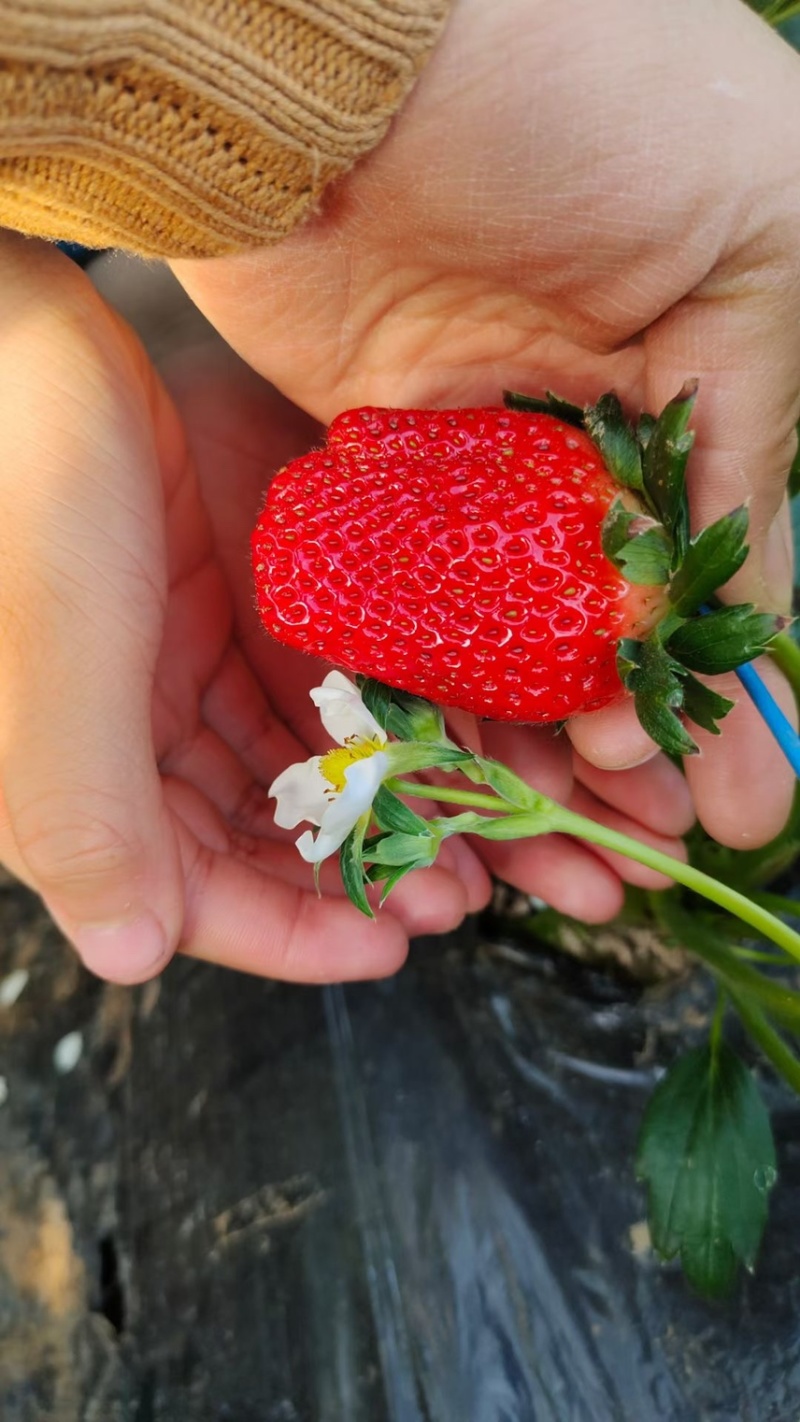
[455, 554]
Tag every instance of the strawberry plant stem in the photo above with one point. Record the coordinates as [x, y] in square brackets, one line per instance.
[455, 797]
[785, 653]
[771, 1044]
[552, 818]
[567, 822]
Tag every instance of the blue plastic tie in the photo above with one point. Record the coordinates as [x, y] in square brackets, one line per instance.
[782, 730]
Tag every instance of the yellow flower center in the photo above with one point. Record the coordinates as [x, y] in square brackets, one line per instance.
[338, 760]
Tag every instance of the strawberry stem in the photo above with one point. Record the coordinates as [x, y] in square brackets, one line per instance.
[567, 822]
[551, 818]
[785, 653]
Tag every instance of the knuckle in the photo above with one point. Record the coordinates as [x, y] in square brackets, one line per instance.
[73, 846]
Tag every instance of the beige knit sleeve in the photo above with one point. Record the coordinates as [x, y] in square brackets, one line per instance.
[194, 127]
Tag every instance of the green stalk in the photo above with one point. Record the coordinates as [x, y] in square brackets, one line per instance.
[774, 1048]
[780, 11]
[567, 822]
[777, 903]
[454, 797]
[738, 977]
[551, 818]
[783, 649]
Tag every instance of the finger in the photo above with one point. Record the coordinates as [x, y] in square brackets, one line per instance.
[655, 795]
[262, 925]
[539, 756]
[741, 782]
[258, 888]
[461, 859]
[81, 548]
[631, 872]
[236, 707]
[612, 739]
[740, 335]
[561, 872]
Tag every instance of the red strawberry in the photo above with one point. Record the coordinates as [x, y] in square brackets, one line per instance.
[491, 560]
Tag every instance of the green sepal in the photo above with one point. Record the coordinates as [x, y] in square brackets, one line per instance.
[407, 717]
[395, 849]
[724, 640]
[505, 783]
[549, 405]
[425, 755]
[645, 557]
[501, 827]
[391, 814]
[377, 698]
[607, 426]
[702, 705]
[644, 428]
[664, 465]
[351, 865]
[656, 681]
[712, 557]
[389, 874]
[707, 1154]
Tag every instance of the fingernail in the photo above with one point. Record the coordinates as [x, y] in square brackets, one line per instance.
[122, 952]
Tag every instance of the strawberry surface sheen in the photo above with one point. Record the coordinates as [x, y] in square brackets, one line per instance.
[455, 554]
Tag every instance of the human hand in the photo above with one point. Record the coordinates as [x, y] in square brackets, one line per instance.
[586, 196]
[652, 803]
[142, 716]
[143, 713]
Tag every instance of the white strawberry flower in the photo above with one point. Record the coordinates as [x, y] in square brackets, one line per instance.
[333, 791]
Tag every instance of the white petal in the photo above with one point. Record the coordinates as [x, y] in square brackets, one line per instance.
[301, 794]
[362, 781]
[343, 712]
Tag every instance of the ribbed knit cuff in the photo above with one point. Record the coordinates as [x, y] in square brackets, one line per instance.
[183, 128]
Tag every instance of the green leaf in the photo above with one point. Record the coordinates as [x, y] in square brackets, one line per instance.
[664, 465]
[707, 1155]
[724, 639]
[550, 405]
[607, 427]
[710, 560]
[644, 557]
[656, 681]
[351, 865]
[702, 705]
[392, 814]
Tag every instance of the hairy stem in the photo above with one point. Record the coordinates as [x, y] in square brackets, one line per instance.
[551, 818]
[783, 649]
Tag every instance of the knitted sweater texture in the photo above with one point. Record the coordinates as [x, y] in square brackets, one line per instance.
[194, 127]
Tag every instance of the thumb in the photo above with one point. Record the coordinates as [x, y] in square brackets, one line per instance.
[741, 337]
[745, 349]
[82, 818]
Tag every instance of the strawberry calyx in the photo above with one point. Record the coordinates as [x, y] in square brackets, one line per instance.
[646, 535]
